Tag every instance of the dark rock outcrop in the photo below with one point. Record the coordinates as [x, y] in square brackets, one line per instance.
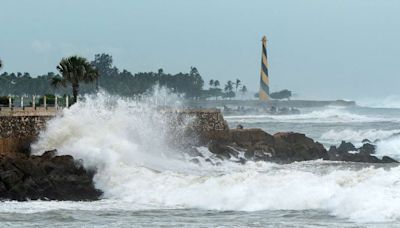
[290, 146]
[367, 148]
[46, 177]
[287, 147]
[348, 152]
[346, 147]
[258, 145]
[366, 141]
[387, 159]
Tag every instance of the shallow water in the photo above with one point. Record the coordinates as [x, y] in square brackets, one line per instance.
[181, 218]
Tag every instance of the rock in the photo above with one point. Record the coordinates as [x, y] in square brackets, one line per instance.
[345, 147]
[193, 152]
[210, 161]
[49, 154]
[333, 149]
[239, 126]
[222, 150]
[290, 147]
[250, 137]
[195, 161]
[364, 154]
[249, 153]
[365, 141]
[386, 159]
[367, 148]
[46, 177]
[358, 157]
[284, 147]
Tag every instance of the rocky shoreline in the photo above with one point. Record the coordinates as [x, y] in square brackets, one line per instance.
[52, 177]
[288, 147]
[46, 177]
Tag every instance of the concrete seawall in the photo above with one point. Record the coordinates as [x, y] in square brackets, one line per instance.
[20, 127]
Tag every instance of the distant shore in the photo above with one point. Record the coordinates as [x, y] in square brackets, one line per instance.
[276, 103]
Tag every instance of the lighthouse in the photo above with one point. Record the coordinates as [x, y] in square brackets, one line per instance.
[264, 77]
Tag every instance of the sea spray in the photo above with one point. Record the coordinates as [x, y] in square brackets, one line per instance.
[325, 115]
[126, 142]
[334, 136]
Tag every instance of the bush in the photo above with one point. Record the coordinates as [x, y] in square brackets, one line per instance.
[4, 101]
[283, 94]
[50, 100]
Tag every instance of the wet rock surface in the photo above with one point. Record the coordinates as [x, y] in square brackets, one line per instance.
[287, 147]
[46, 177]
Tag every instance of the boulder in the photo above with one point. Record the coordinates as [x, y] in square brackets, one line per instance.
[345, 147]
[367, 148]
[46, 177]
[356, 157]
[364, 154]
[224, 151]
[250, 137]
[386, 159]
[365, 141]
[290, 147]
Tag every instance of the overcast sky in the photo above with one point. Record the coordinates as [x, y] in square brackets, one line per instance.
[317, 48]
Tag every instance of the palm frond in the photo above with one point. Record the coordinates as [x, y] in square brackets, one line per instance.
[58, 82]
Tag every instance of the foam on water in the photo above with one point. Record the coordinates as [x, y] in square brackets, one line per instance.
[356, 136]
[328, 115]
[127, 143]
[389, 147]
[391, 101]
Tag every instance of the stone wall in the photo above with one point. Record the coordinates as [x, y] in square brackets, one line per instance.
[18, 129]
[18, 132]
[206, 124]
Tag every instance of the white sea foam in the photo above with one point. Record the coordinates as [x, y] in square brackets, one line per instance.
[355, 136]
[389, 147]
[392, 101]
[137, 169]
[328, 115]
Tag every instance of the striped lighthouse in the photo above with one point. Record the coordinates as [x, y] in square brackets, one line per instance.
[264, 77]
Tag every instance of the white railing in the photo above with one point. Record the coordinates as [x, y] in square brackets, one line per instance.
[21, 102]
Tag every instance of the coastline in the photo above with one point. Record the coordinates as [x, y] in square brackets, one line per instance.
[208, 128]
[276, 103]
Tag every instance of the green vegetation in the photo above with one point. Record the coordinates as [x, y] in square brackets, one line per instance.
[283, 94]
[4, 101]
[243, 90]
[50, 100]
[237, 84]
[75, 70]
[229, 90]
[214, 90]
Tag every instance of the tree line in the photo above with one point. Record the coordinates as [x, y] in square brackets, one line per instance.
[78, 75]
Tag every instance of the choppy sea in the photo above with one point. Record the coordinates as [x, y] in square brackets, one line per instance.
[146, 183]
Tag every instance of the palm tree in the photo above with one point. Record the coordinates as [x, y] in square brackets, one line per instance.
[237, 84]
[243, 90]
[75, 70]
[216, 84]
[229, 86]
[211, 83]
[229, 89]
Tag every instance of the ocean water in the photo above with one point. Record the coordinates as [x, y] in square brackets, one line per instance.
[149, 183]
